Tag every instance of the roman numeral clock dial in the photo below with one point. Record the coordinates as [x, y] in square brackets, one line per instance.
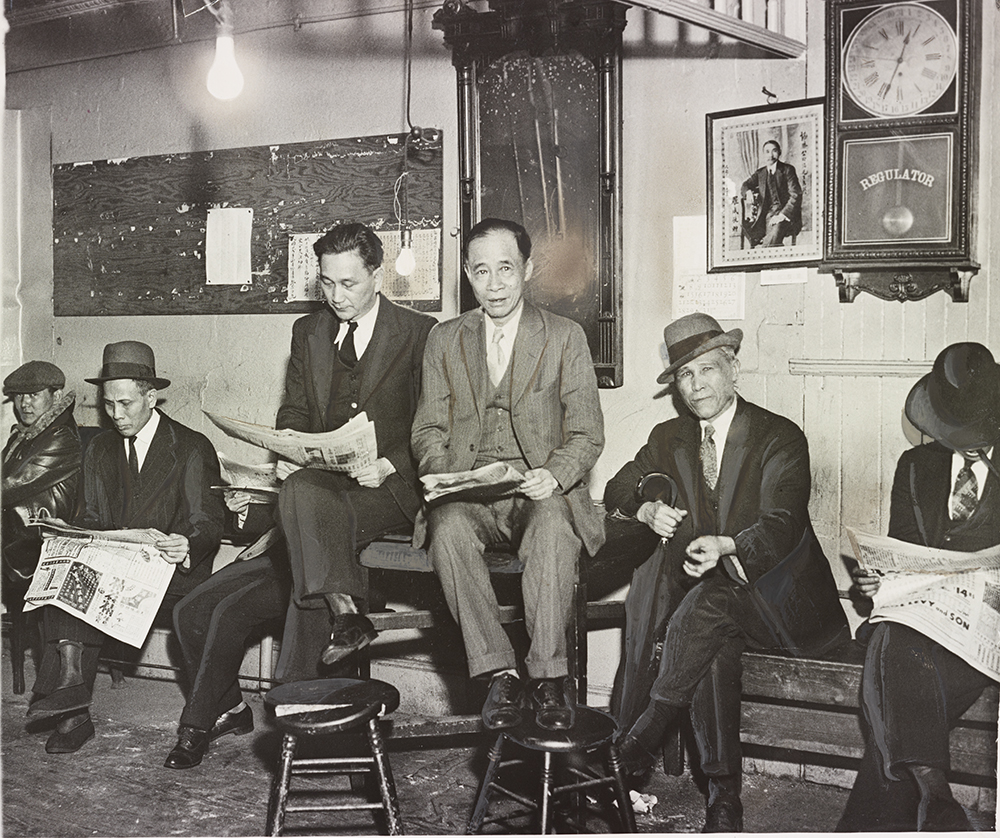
[900, 60]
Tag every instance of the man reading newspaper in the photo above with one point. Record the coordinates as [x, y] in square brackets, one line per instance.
[150, 472]
[946, 494]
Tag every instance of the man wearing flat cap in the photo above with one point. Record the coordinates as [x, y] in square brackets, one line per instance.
[149, 472]
[740, 481]
[945, 494]
[41, 466]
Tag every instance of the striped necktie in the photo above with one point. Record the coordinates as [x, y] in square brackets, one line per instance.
[965, 494]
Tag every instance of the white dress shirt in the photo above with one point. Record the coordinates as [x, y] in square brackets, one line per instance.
[509, 332]
[144, 438]
[363, 334]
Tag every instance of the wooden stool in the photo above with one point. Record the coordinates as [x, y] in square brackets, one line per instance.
[320, 708]
[593, 729]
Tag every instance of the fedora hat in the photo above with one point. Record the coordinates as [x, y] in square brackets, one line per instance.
[693, 335]
[958, 401]
[129, 359]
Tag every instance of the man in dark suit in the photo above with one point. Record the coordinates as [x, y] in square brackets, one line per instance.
[359, 353]
[743, 481]
[778, 198]
[149, 472]
[511, 383]
[945, 494]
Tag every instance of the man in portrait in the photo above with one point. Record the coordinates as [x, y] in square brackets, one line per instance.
[776, 200]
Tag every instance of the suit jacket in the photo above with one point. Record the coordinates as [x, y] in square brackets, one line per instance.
[555, 408]
[789, 196]
[387, 391]
[175, 493]
[763, 496]
[921, 490]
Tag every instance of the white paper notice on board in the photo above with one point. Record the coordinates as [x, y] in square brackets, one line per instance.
[227, 246]
[723, 295]
[423, 284]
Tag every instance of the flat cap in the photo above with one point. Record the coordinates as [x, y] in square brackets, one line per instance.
[33, 377]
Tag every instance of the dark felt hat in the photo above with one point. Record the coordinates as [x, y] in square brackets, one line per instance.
[693, 335]
[958, 401]
[129, 359]
[33, 377]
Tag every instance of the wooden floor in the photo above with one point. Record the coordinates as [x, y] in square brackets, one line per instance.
[116, 785]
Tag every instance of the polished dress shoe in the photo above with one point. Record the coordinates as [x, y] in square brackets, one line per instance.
[553, 704]
[724, 814]
[635, 759]
[503, 703]
[350, 633]
[239, 722]
[192, 745]
[71, 734]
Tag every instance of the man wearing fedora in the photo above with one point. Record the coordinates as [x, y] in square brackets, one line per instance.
[149, 472]
[740, 508]
[945, 494]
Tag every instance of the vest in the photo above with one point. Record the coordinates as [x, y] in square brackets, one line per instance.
[498, 443]
[344, 387]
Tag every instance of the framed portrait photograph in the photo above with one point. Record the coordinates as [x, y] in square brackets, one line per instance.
[765, 168]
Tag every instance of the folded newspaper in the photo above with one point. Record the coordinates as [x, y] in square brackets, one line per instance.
[351, 447]
[259, 481]
[113, 580]
[495, 480]
[951, 597]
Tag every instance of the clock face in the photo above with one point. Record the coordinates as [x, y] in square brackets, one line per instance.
[900, 60]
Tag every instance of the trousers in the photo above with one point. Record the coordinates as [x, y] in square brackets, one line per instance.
[913, 691]
[213, 624]
[542, 533]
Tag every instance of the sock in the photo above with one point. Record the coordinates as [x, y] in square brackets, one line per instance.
[650, 727]
[239, 708]
[340, 604]
[499, 672]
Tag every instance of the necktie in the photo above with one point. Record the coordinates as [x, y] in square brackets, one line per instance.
[965, 494]
[348, 354]
[709, 466]
[133, 460]
[495, 359]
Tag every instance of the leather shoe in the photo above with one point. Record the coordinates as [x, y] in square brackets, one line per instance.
[503, 703]
[76, 697]
[635, 759]
[350, 633]
[724, 814]
[192, 745]
[71, 740]
[553, 704]
[239, 723]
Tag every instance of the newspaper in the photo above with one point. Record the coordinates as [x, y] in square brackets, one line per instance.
[351, 447]
[495, 480]
[113, 580]
[951, 597]
[259, 481]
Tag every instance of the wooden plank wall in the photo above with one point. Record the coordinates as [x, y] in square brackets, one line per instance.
[129, 235]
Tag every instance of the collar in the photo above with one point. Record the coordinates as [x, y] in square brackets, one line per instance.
[366, 327]
[23, 433]
[144, 438]
[509, 328]
[720, 424]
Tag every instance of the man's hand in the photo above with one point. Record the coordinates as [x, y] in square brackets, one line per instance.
[175, 548]
[283, 468]
[236, 501]
[704, 553]
[373, 476]
[538, 484]
[866, 582]
[661, 518]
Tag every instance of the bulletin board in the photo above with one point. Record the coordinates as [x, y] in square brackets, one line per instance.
[129, 235]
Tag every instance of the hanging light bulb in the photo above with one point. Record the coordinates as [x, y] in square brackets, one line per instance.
[405, 262]
[225, 81]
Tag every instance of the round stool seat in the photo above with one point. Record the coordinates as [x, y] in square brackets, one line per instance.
[591, 729]
[329, 705]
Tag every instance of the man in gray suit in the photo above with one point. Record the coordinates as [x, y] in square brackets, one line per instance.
[511, 383]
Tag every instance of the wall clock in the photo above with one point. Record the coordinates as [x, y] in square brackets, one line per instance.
[901, 147]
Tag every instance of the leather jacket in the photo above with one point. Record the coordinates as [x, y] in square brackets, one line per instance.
[41, 471]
